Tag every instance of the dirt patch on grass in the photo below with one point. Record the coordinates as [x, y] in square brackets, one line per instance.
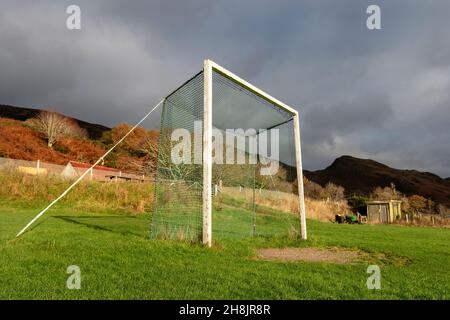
[327, 255]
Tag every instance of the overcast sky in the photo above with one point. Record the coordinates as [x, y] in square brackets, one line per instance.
[382, 94]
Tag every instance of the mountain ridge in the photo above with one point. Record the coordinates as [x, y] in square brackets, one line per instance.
[361, 176]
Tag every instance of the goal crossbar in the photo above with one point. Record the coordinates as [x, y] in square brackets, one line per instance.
[230, 75]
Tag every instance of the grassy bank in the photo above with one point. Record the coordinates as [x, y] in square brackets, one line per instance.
[27, 191]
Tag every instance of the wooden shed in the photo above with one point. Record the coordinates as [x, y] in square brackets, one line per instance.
[385, 211]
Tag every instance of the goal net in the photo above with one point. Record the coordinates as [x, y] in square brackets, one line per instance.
[229, 162]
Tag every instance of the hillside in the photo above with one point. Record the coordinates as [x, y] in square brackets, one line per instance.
[355, 175]
[20, 141]
[363, 175]
[95, 131]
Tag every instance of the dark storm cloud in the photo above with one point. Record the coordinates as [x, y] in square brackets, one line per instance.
[376, 94]
[370, 113]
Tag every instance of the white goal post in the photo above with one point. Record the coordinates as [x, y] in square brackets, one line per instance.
[208, 68]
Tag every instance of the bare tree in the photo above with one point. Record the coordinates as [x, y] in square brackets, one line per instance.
[55, 126]
[334, 192]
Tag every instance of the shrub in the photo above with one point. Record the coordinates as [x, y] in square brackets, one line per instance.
[313, 190]
[386, 193]
[419, 204]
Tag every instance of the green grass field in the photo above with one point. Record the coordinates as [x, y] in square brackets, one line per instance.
[118, 261]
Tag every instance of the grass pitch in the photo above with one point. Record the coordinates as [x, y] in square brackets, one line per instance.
[118, 261]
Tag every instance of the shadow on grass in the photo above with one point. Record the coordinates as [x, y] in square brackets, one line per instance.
[116, 224]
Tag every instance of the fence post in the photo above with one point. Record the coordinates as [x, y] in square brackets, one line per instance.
[38, 166]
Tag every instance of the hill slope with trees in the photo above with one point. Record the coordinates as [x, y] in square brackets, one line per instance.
[32, 134]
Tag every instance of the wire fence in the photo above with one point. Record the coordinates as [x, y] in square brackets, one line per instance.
[177, 211]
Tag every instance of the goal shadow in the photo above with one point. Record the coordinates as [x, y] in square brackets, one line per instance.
[124, 225]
